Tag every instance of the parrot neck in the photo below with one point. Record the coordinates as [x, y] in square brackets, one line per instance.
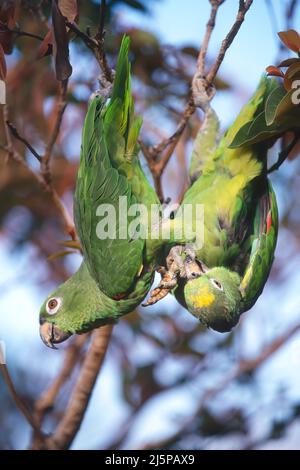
[93, 307]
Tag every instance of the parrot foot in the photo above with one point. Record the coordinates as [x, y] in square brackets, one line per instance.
[167, 283]
[203, 92]
[186, 267]
[174, 261]
[181, 264]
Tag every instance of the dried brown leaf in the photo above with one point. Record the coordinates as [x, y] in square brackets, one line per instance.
[274, 71]
[46, 46]
[69, 9]
[291, 39]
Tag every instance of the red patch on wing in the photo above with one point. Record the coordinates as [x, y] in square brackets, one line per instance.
[268, 222]
[120, 296]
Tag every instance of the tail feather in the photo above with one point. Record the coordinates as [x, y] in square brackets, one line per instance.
[120, 124]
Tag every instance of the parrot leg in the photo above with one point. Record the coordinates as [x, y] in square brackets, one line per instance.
[193, 268]
[175, 263]
[167, 283]
[177, 267]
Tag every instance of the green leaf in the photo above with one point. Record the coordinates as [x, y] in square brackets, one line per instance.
[272, 102]
[286, 111]
[253, 132]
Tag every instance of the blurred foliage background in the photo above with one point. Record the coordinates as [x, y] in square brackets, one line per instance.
[167, 382]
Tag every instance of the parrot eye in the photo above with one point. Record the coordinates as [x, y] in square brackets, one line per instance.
[217, 284]
[53, 305]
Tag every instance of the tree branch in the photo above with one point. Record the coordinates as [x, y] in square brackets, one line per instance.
[202, 92]
[19, 402]
[5, 29]
[47, 401]
[61, 106]
[209, 29]
[243, 8]
[96, 45]
[68, 427]
[44, 178]
[22, 139]
[244, 366]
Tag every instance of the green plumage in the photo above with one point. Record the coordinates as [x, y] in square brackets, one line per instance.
[228, 177]
[240, 222]
[110, 170]
[116, 273]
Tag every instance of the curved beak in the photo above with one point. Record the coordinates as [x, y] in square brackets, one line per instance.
[51, 334]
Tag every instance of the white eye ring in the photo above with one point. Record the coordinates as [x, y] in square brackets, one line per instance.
[217, 284]
[53, 305]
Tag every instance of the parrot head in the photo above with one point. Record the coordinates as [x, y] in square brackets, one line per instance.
[71, 308]
[56, 323]
[59, 315]
[214, 298]
[53, 309]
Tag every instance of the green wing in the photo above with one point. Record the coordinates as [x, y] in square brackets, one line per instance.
[109, 169]
[227, 188]
[262, 247]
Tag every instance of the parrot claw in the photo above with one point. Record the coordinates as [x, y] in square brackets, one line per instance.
[167, 283]
[177, 268]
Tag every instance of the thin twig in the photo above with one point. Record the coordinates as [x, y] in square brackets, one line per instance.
[67, 219]
[159, 148]
[72, 419]
[208, 32]
[96, 45]
[202, 92]
[22, 139]
[44, 178]
[88, 40]
[243, 8]
[244, 367]
[19, 402]
[61, 106]
[5, 29]
[102, 18]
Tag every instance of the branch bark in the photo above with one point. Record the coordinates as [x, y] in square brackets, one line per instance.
[20, 404]
[202, 91]
[47, 401]
[44, 178]
[243, 8]
[243, 367]
[68, 427]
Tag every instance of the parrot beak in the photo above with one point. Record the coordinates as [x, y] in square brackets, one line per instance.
[203, 267]
[51, 334]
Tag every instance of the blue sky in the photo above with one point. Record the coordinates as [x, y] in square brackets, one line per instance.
[254, 48]
[179, 22]
[176, 22]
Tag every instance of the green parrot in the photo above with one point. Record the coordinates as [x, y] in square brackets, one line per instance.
[216, 281]
[240, 220]
[116, 273]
